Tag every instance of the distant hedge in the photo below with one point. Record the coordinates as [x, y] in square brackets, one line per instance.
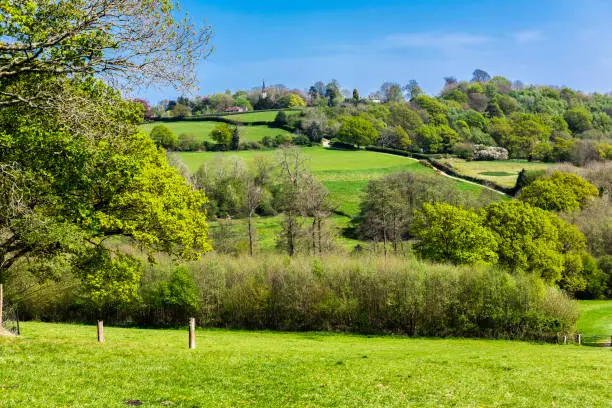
[446, 168]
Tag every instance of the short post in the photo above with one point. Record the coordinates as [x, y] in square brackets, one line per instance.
[579, 339]
[192, 333]
[564, 339]
[1, 299]
[100, 331]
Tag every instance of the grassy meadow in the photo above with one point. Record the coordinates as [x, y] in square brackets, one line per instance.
[503, 173]
[595, 317]
[58, 365]
[267, 116]
[344, 172]
[201, 130]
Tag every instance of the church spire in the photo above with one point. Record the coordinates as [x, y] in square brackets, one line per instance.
[264, 91]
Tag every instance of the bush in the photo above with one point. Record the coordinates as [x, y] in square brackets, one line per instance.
[490, 153]
[187, 142]
[362, 294]
[301, 141]
[163, 136]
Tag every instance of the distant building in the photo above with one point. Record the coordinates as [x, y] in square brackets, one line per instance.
[264, 91]
[236, 109]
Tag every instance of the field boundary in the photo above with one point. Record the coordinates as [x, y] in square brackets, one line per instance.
[448, 171]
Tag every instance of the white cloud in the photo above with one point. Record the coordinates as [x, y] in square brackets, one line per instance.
[525, 37]
[434, 40]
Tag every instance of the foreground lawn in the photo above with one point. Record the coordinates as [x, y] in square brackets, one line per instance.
[201, 130]
[595, 317]
[503, 173]
[63, 366]
[345, 173]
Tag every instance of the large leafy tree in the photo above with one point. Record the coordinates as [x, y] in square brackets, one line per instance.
[451, 234]
[126, 42]
[358, 131]
[559, 192]
[73, 191]
[78, 170]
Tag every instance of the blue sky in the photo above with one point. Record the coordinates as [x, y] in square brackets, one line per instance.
[365, 43]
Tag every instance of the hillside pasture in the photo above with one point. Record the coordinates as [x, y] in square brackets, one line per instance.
[267, 116]
[59, 365]
[201, 130]
[595, 317]
[344, 172]
[503, 173]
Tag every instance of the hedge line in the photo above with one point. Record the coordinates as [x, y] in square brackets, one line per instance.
[431, 159]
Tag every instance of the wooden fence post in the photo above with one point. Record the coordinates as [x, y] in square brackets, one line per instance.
[192, 333]
[1, 299]
[579, 339]
[100, 331]
[564, 339]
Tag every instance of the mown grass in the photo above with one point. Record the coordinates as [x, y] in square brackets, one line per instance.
[251, 117]
[503, 173]
[62, 366]
[595, 317]
[201, 130]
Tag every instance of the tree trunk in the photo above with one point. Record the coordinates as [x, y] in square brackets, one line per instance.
[319, 226]
[250, 234]
[313, 233]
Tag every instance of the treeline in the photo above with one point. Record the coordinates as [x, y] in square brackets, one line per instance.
[531, 122]
[363, 295]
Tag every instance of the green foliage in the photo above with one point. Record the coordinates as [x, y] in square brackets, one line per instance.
[535, 240]
[235, 140]
[177, 298]
[559, 192]
[358, 131]
[450, 234]
[163, 136]
[222, 134]
[429, 139]
[579, 119]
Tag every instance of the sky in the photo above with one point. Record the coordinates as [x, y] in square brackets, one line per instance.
[363, 43]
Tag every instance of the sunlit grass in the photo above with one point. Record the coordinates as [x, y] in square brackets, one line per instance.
[63, 366]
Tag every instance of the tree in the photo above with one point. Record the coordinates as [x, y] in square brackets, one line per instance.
[450, 234]
[164, 137]
[78, 190]
[412, 89]
[222, 134]
[333, 93]
[181, 111]
[401, 115]
[559, 192]
[480, 76]
[358, 131]
[235, 140]
[281, 119]
[392, 92]
[254, 195]
[127, 42]
[316, 204]
[579, 119]
[356, 97]
[534, 240]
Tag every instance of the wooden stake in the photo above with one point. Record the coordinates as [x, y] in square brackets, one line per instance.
[564, 339]
[101, 331]
[579, 339]
[1, 299]
[192, 333]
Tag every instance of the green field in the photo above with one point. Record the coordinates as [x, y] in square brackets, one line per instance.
[201, 130]
[63, 366]
[595, 317]
[251, 117]
[345, 173]
[503, 173]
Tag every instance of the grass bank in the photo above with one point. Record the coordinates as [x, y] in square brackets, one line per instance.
[62, 365]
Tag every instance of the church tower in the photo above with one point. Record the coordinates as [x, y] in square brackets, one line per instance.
[264, 91]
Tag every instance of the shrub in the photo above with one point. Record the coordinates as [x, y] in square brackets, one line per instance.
[490, 153]
[163, 136]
